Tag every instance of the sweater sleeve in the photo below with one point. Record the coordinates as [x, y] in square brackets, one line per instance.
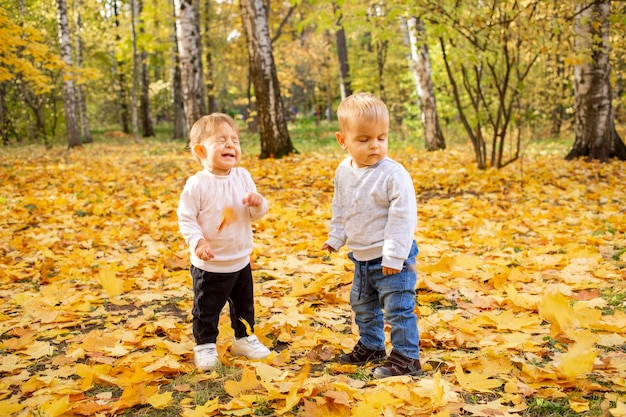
[337, 235]
[188, 209]
[402, 220]
[258, 212]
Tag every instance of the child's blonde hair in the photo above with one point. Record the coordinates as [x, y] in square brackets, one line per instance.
[361, 106]
[206, 126]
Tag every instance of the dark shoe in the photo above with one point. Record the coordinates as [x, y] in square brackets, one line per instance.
[398, 364]
[360, 355]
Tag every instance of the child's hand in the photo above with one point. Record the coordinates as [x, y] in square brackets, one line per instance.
[204, 251]
[252, 200]
[389, 271]
[329, 248]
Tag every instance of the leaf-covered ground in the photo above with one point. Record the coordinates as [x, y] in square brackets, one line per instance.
[521, 292]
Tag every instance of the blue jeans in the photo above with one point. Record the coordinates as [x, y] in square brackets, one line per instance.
[372, 292]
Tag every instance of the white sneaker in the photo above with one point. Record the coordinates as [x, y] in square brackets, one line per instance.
[250, 347]
[205, 356]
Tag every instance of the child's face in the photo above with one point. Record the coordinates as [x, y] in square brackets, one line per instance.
[222, 149]
[365, 140]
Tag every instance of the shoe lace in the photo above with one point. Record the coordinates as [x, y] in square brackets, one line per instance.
[254, 342]
[209, 350]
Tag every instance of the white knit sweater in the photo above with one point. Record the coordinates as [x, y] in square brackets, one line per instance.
[374, 212]
[200, 209]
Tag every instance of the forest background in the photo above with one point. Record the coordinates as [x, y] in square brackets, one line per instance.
[522, 265]
[496, 73]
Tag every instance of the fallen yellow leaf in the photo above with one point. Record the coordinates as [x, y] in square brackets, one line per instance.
[161, 401]
[475, 381]
[579, 359]
[112, 285]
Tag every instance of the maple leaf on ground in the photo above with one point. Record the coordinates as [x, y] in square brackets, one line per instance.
[619, 410]
[247, 384]
[135, 394]
[160, 401]
[476, 381]
[579, 405]
[493, 409]
[210, 408]
[11, 406]
[56, 407]
[439, 391]
[294, 396]
[111, 284]
[328, 406]
[579, 358]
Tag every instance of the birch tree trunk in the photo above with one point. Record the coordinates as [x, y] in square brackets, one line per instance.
[179, 130]
[133, 8]
[381, 48]
[69, 103]
[433, 137]
[4, 120]
[596, 137]
[190, 56]
[144, 97]
[80, 90]
[275, 141]
[121, 77]
[342, 55]
[208, 20]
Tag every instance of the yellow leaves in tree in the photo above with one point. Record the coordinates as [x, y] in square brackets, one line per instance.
[26, 55]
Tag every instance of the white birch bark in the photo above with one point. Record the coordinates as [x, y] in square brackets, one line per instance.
[190, 57]
[133, 8]
[178, 111]
[591, 78]
[80, 90]
[422, 71]
[69, 102]
[596, 136]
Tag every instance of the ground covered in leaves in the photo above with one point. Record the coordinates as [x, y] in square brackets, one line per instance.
[522, 297]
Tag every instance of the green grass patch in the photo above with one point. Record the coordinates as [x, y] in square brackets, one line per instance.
[561, 407]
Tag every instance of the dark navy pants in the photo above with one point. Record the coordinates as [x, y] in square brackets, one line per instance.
[211, 291]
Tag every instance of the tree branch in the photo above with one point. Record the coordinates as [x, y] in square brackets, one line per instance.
[282, 24]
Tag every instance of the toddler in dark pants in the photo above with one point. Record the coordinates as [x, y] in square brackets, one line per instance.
[215, 212]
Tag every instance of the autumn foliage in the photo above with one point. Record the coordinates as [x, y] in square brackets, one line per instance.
[521, 289]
